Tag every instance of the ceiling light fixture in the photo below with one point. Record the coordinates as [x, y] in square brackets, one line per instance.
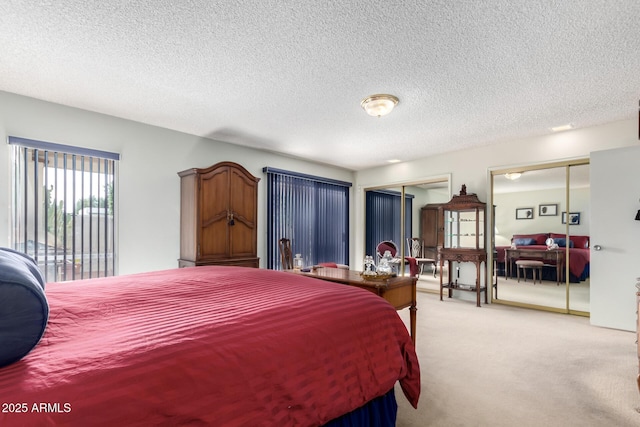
[562, 128]
[379, 105]
[513, 175]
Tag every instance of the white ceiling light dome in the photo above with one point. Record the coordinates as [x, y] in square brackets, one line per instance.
[379, 105]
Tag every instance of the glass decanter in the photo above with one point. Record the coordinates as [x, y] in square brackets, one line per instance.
[384, 267]
[369, 266]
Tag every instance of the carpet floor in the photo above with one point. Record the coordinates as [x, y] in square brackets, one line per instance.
[506, 366]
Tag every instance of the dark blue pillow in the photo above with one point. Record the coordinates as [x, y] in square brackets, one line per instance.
[29, 262]
[562, 242]
[524, 242]
[23, 306]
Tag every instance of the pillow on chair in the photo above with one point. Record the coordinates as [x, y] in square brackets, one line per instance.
[23, 306]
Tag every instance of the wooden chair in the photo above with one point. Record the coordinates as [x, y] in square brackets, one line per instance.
[286, 256]
[415, 249]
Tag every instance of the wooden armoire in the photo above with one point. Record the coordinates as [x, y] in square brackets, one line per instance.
[218, 216]
[431, 230]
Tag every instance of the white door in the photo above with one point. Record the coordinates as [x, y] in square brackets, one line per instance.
[615, 199]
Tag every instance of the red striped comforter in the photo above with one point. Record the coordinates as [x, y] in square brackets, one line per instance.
[208, 346]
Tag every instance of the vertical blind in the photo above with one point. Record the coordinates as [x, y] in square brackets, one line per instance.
[63, 205]
[311, 211]
[383, 218]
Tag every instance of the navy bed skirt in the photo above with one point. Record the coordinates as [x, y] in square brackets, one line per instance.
[548, 273]
[380, 412]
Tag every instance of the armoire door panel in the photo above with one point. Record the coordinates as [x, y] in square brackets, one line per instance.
[241, 241]
[243, 199]
[243, 202]
[214, 195]
[214, 240]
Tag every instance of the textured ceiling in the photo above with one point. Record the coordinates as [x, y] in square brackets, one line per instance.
[288, 76]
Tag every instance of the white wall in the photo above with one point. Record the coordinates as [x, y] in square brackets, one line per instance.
[149, 192]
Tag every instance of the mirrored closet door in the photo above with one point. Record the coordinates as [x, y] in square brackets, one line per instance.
[579, 239]
[409, 228]
[541, 237]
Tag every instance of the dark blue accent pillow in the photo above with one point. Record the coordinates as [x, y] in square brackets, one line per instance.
[23, 306]
[29, 262]
[562, 242]
[524, 242]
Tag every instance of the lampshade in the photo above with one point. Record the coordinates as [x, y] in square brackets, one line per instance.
[379, 105]
[513, 175]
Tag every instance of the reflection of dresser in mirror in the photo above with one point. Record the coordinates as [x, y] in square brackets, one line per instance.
[431, 229]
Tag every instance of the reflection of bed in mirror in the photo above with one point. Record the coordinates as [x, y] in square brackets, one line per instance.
[579, 255]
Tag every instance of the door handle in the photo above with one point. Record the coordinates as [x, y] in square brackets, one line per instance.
[597, 248]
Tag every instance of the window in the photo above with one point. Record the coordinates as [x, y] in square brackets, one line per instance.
[62, 208]
[312, 212]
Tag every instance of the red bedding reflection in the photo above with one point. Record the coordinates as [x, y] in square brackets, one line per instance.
[208, 346]
[578, 257]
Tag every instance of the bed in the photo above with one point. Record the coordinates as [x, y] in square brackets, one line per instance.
[579, 254]
[208, 346]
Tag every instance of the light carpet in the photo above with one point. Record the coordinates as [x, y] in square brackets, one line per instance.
[506, 366]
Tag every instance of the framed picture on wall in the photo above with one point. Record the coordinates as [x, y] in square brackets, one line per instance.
[524, 213]
[574, 218]
[548, 210]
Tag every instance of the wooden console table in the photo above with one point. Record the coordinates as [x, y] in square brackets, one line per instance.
[476, 256]
[556, 255]
[399, 291]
